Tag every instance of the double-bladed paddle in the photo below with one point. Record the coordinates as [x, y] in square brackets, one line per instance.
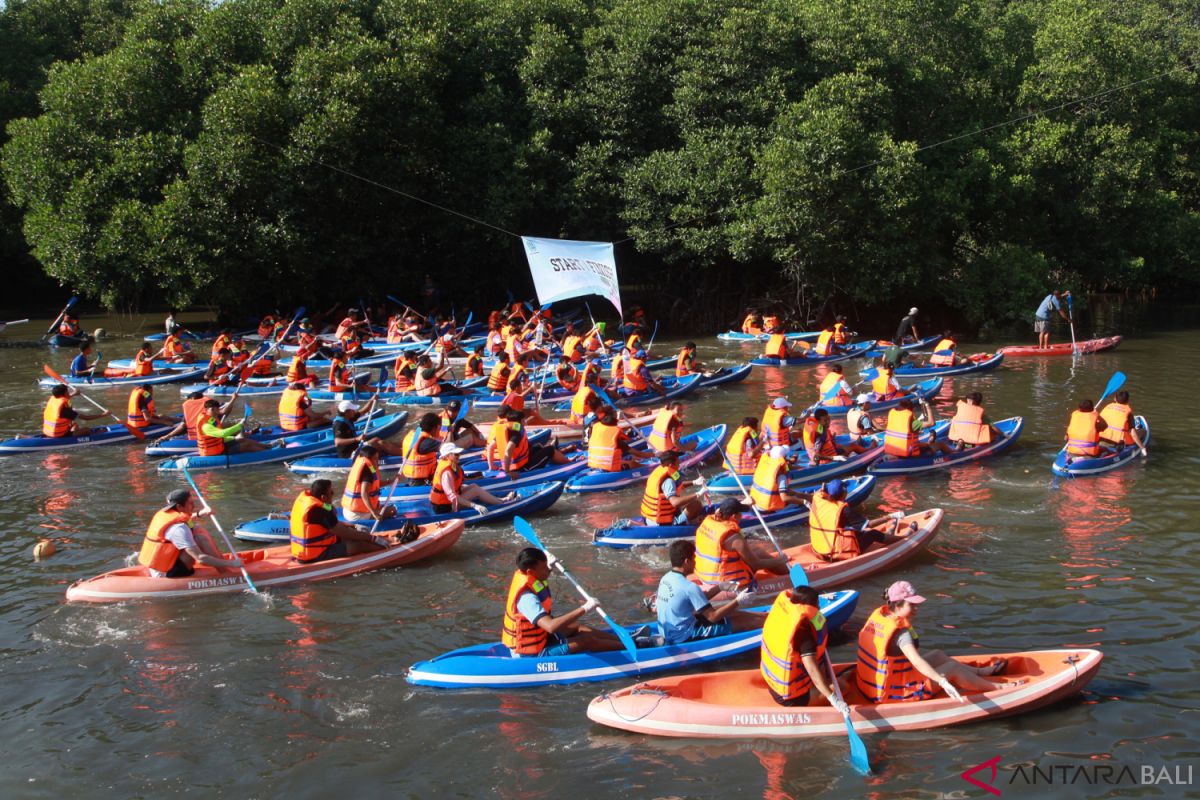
[188, 476]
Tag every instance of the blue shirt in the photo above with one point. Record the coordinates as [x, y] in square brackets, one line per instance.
[1051, 303]
[79, 365]
[529, 607]
[678, 601]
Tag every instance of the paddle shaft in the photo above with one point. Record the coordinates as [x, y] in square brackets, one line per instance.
[1071, 320]
[390, 495]
[188, 476]
[58, 319]
[798, 575]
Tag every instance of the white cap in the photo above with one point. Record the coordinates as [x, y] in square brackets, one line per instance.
[449, 449]
[346, 405]
[778, 451]
[862, 398]
[912, 310]
[781, 402]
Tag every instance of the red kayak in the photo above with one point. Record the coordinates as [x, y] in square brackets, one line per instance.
[1061, 349]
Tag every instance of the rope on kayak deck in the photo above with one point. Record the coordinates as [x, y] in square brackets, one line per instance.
[642, 689]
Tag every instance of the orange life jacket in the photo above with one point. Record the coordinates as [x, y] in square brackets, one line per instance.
[174, 347]
[825, 343]
[513, 432]
[899, 439]
[1082, 437]
[818, 442]
[880, 677]
[592, 342]
[339, 374]
[291, 416]
[772, 427]
[208, 445]
[298, 370]
[655, 505]
[776, 346]
[633, 343]
[135, 416]
[404, 369]
[683, 363]
[1120, 423]
[740, 448]
[498, 379]
[308, 540]
[474, 368]
[573, 348]
[418, 466]
[192, 410]
[426, 387]
[664, 435]
[514, 400]
[219, 343]
[968, 425]
[516, 377]
[882, 385]
[945, 360]
[779, 660]
[603, 452]
[69, 327]
[517, 633]
[832, 393]
[633, 379]
[393, 330]
[266, 327]
[143, 364]
[579, 404]
[352, 499]
[157, 551]
[714, 563]
[764, 486]
[54, 424]
[568, 377]
[436, 493]
[829, 539]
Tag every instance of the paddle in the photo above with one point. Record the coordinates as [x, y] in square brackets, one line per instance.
[652, 335]
[595, 327]
[188, 476]
[58, 319]
[273, 346]
[795, 571]
[4, 325]
[620, 414]
[391, 493]
[858, 750]
[141, 437]
[526, 530]
[1071, 319]
[1114, 383]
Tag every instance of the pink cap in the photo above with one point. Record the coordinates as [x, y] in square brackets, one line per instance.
[903, 590]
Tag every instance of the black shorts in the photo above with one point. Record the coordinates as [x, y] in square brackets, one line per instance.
[335, 550]
[442, 508]
[180, 569]
[539, 456]
[802, 700]
[419, 481]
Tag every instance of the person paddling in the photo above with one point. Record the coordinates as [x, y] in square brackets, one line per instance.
[80, 366]
[296, 410]
[662, 501]
[686, 363]
[904, 427]
[1041, 318]
[685, 611]
[666, 432]
[172, 547]
[360, 498]
[944, 354]
[891, 667]
[792, 654]
[448, 493]
[214, 440]
[1083, 431]
[1119, 418]
[745, 446]
[769, 486]
[609, 448]
[529, 627]
[347, 438]
[970, 426]
[140, 411]
[725, 558]
[59, 419]
[838, 531]
[317, 534]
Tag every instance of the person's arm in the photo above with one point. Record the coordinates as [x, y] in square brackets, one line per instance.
[209, 429]
[909, 649]
[449, 491]
[1058, 305]
[739, 545]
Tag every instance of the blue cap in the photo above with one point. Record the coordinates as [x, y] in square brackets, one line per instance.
[597, 362]
[835, 488]
[640, 354]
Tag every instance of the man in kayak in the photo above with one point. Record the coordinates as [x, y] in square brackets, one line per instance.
[193, 411]
[907, 329]
[529, 627]
[296, 412]
[637, 378]
[829, 343]
[1119, 418]
[777, 423]
[834, 390]
[686, 363]
[970, 426]
[176, 350]
[778, 347]
[1083, 431]
[667, 430]
[420, 449]
[609, 448]
[944, 354]
[172, 548]
[59, 418]
[448, 493]
[769, 486]
[662, 501]
[214, 440]
[428, 380]
[904, 427]
[69, 325]
[745, 446]
[685, 611]
[817, 440]
[140, 411]
[1041, 318]
[838, 531]
[727, 558]
[348, 439]
[514, 451]
[80, 367]
[888, 656]
[884, 384]
[859, 422]
[792, 654]
[317, 534]
[461, 432]
[360, 498]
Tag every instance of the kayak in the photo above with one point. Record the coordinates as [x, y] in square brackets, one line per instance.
[105, 434]
[1076, 466]
[58, 340]
[636, 533]
[121, 365]
[305, 444]
[321, 364]
[529, 500]
[169, 376]
[725, 375]
[269, 568]
[980, 362]
[181, 447]
[891, 465]
[564, 431]
[595, 480]
[325, 465]
[738, 336]
[881, 347]
[916, 530]
[266, 387]
[859, 350]
[804, 472]
[676, 387]
[493, 666]
[737, 705]
[924, 390]
[1063, 348]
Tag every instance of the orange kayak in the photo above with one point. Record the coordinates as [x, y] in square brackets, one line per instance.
[737, 705]
[916, 529]
[269, 567]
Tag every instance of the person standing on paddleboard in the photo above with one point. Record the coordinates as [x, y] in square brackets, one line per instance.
[1041, 318]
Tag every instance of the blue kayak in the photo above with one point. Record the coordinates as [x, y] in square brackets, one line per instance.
[1078, 466]
[676, 387]
[707, 441]
[636, 533]
[738, 336]
[848, 352]
[924, 390]
[324, 465]
[105, 434]
[988, 362]
[304, 444]
[162, 366]
[725, 375]
[182, 447]
[100, 382]
[1009, 428]
[493, 666]
[804, 472]
[267, 387]
[529, 500]
[880, 349]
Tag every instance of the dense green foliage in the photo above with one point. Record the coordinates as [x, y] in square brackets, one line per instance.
[194, 152]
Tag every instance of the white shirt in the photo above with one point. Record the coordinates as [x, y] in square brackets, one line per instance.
[179, 535]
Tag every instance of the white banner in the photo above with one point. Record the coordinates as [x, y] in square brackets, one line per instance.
[563, 269]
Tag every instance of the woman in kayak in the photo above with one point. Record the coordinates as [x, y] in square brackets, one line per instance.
[892, 669]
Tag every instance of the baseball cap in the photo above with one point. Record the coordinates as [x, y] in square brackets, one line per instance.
[834, 488]
[778, 451]
[912, 310]
[177, 497]
[781, 402]
[730, 505]
[903, 590]
[863, 398]
[640, 354]
[449, 449]
[346, 405]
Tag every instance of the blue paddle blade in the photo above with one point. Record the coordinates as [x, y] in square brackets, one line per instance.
[798, 575]
[526, 530]
[247, 410]
[858, 750]
[870, 374]
[463, 410]
[1114, 383]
